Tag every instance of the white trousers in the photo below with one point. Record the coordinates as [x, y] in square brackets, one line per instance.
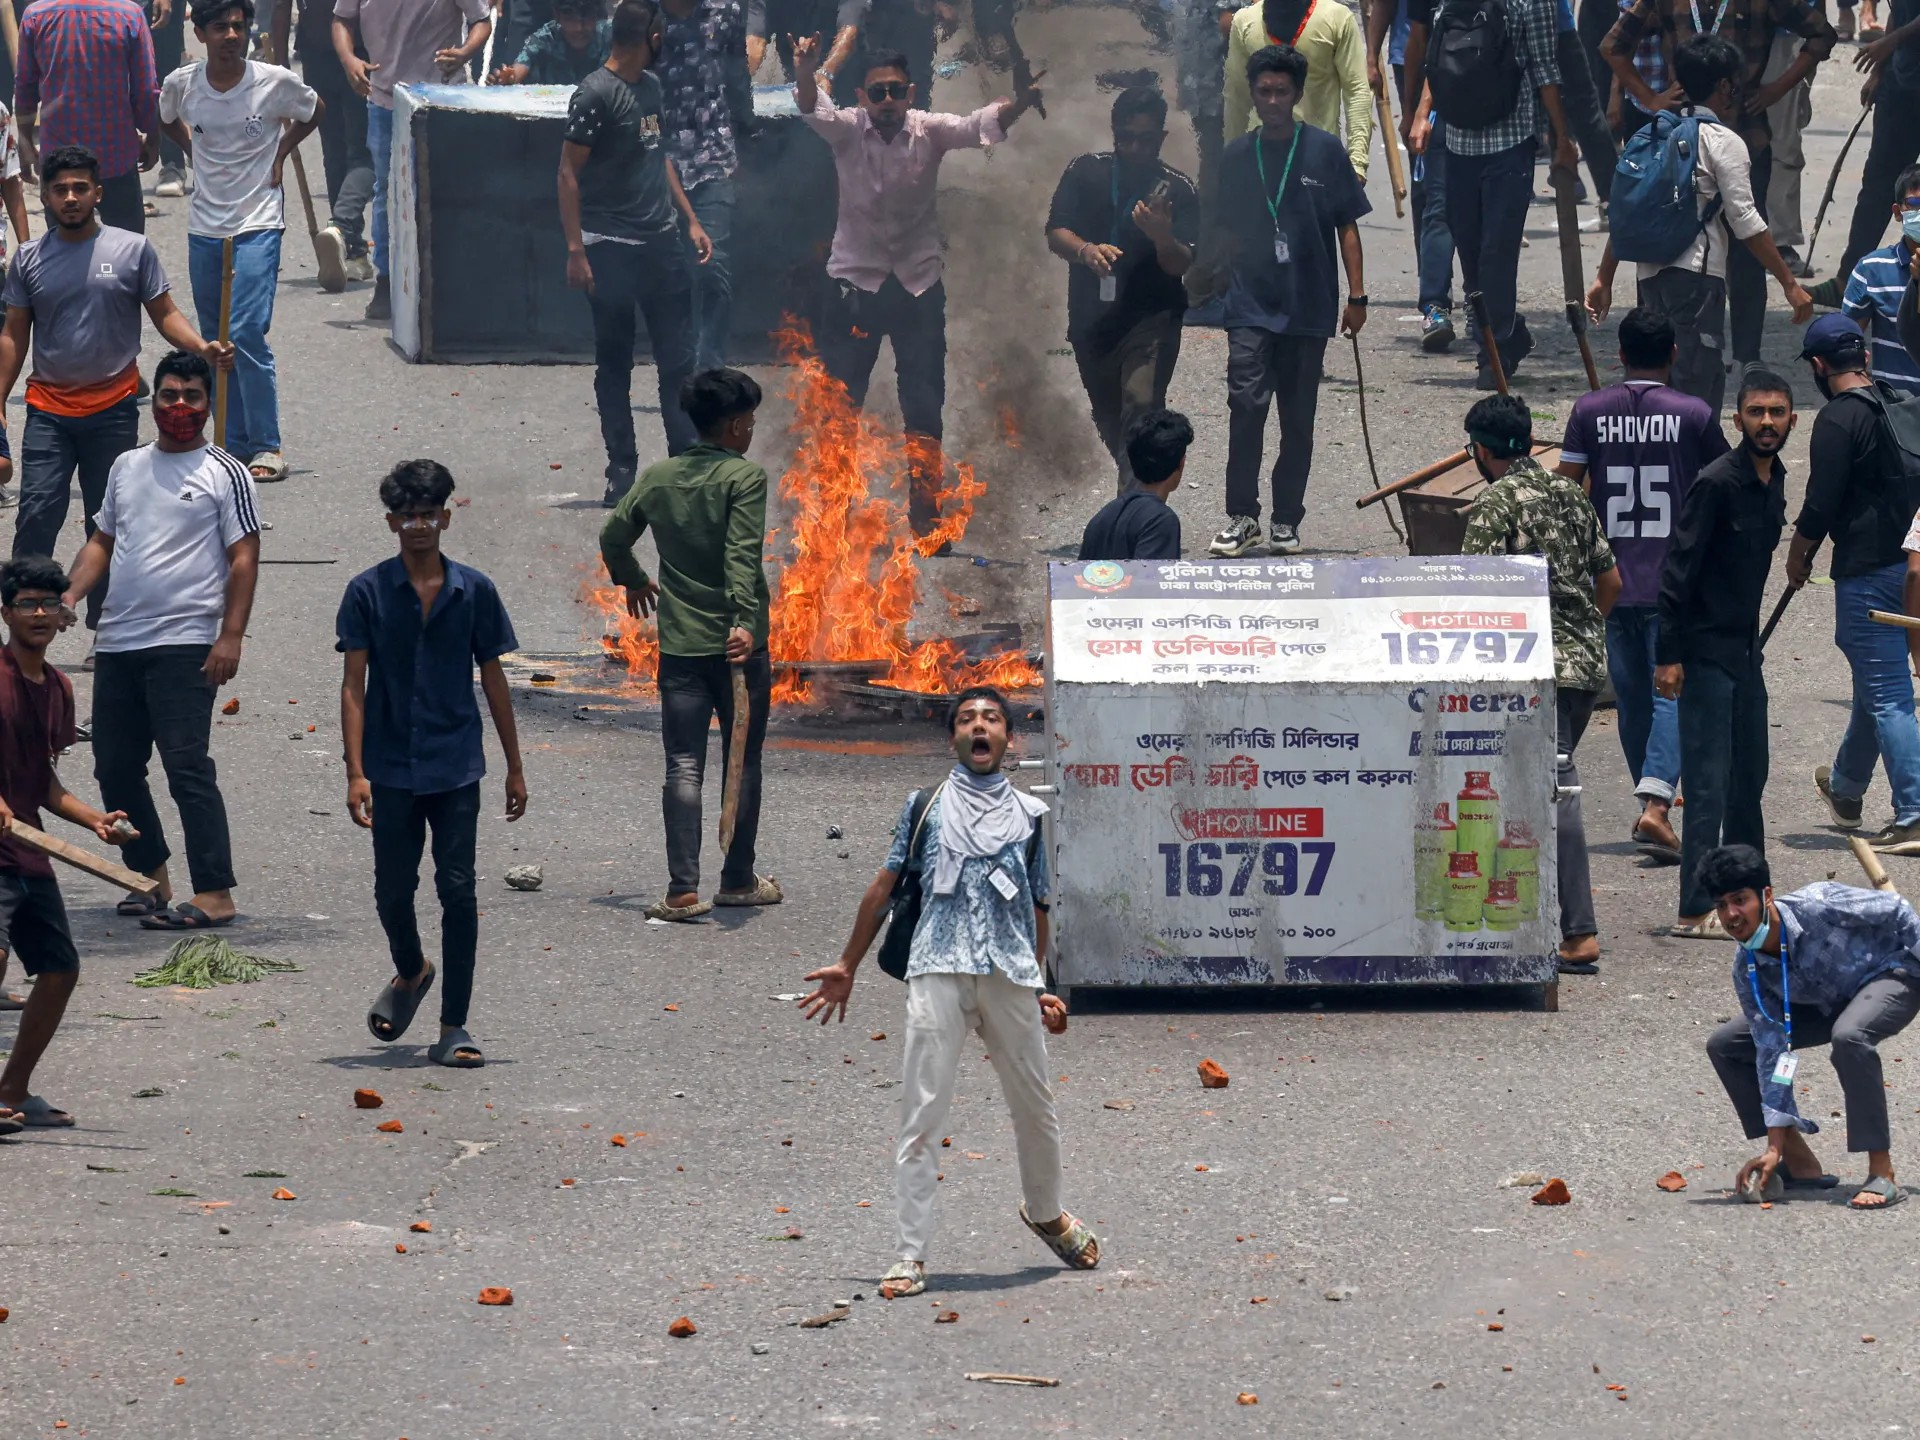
[941, 1011]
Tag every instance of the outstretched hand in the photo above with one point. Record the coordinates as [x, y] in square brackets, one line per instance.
[835, 983]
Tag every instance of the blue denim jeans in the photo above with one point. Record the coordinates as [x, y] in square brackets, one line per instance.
[380, 146]
[1487, 200]
[1882, 726]
[253, 390]
[1432, 239]
[52, 448]
[1649, 723]
[712, 202]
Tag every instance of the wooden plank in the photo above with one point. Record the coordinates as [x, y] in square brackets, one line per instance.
[76, 857]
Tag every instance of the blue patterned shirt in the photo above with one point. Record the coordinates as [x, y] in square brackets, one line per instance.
[973, 930]
[1834, 940]
[1873, 298]
[703, 71]
[550, 62]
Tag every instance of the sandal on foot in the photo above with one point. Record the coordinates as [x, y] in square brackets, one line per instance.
[10, 1001]
[37, 1114]
[395, 1006]
[907, 1277]
[1078, 1246]
[661, 910]
[135, 906]
[1890, 1194]
[185, 916]
[1707, 929]
[1655, 848]
[267, 467]
[765, 891]
[457, 1051]
[10, 1124]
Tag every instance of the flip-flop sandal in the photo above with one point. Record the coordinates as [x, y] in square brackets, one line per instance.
[1890, 1194]
[271, 461]
[457, 1051]
[1076, 1245]
[765, 891]
[1576, 967]
[11, 1001]
[146, 905]
[1707, 929]
[10, 1124]
[397, 1007]
[1655, 849]
[660, 910]
[185, 916]
[1812, 1182]
[907, 1277]
[37, 1114]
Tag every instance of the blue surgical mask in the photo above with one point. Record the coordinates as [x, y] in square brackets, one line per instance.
[1910, 225]
[1755, 942]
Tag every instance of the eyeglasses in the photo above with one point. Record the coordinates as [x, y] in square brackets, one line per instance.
[428, 520]
[888, 90]
[36, 604]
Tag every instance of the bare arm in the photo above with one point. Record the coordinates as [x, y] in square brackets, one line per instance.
[89, 568]
[16, 336]
[1575, 473]
[843, 43]
[177, 132]
[835, 981]
[71, 808]
[1042, 936]
[16, 198]
[353, 731]
[1379, 21]
[493, 684]
[296, 131]
[1606, 589]
[243, 574]
[1353, 316]
[278, 28]
[579, 270]
[345, 36]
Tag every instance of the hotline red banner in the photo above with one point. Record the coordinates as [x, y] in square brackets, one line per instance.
[1462, 619]
[1306, 824]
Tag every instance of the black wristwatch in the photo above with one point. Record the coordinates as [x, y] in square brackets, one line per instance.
[1359, 301]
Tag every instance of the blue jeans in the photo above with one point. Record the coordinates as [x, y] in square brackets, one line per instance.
[1649, 723]
[1432, 239]
[1882, 726]
[712, 202]
[52, 447]
[253, 390]
[1487, 200]
[380, 146]
[1723, 747]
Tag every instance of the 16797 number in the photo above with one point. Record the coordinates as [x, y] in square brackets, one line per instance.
[1430, 647]
[1205, 868]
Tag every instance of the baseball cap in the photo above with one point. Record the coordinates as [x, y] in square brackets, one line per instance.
[1831, 337]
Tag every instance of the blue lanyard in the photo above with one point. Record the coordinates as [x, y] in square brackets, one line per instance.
[1786, 1004]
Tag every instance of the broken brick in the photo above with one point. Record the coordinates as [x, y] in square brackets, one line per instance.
[1495, 1325]
[1554, 1192]
[946, 1317]
[390, 1127]
[232, 707]
[399, 1249]
[1246, 1397]
[496, 1295]
[421, 1227]
[1671, 1181]
[682, 1328]
[619, 1140]
[284, 1194]
[367, 1100]
[1212, 1077]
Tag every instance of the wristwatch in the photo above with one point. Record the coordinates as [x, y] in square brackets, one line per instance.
[1357, 301]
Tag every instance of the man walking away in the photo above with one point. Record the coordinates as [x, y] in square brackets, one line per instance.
[1707, 647]
[413, 629]
[1140, 525]
[1335, 89]
[1878, 283]
[1526, 511]
[1288, 201]
[974, 965]
[1126, 225]
[36, 725]
[565, 50]
[179, 516]
[240, 120]
[406, 42]
[619, 197]
[708, 512]
[1637, 447]
[86, 78]
[1827, 965]
[340, 249]
[1858, 494]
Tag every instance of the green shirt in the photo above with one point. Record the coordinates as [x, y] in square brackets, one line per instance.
[1531, 511]
[708, 510]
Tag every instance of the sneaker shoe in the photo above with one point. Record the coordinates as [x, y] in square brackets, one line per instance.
[380, 307]
[1240, 537]
[1436, 330]
[1827, 294]
[1898, 837]
[360, 267]
[1598, 223]
[173, 183]
[619, 481]
[1285, 540]
[1846, 813]
[330, 253]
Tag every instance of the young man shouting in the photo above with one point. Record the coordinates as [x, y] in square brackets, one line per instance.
[974, 966]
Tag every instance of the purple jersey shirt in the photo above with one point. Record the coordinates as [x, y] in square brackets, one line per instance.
[1642, 443]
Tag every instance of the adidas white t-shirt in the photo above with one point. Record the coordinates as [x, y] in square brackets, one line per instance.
[172, 518]
[236, 133]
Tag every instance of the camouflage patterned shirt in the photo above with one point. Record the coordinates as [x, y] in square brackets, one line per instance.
[1530, 511]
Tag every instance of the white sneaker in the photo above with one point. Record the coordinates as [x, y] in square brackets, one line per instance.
[1240, 537]
[330, 253]
[173, 183]
[1598, 223]
[360, 267]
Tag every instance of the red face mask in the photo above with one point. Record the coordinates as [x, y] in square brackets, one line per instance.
[181, 424]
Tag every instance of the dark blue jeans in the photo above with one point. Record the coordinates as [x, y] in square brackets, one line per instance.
[52, 447]
[1427, 189]
[712, 283]
[1723, 753]
[693, 689]
[1487, 200]
[630, 281]
[1882, 725]
[1649, 723]
[401, 820]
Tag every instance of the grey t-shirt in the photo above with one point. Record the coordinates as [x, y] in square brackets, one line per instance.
[86, 297]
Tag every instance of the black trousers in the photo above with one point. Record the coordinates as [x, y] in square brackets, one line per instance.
[1747, 277]
[1126, 376]
[344, 154]
[1724, 757]
[692, 690]
[160, 698]
[853, 322]
[640, 280]
[1895, 145]
[401, 820]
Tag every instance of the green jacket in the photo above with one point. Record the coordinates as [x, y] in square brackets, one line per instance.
[708, 511]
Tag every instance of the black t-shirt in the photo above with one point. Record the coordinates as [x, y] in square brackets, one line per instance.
[1300, 294]
[623, 185]
[1856, 491]
[1904, 68]
[1096, 203]
[1137, 526]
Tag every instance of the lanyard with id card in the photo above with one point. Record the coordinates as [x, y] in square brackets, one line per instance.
[1282, 251]
[1788, 1065]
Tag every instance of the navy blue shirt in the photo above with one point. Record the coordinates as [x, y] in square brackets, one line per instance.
[1321, 194]
[423, 725]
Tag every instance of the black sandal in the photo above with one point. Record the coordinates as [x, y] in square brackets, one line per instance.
[184, 916]
[395, 1008]
[145, 905]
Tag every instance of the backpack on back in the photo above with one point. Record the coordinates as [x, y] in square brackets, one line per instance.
[1655, 209]
[1473, 63]
[1899, 450]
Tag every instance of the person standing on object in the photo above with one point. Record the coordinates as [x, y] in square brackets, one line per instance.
[884, 270]
[340, 247]
[239, 119]
[1691, 288]
[1707, 647]
[1289, 201]
[1878, 284]
[1334, 97]
[1892, 64]
[413, 629]
[1827, 965]
[1526, 511]
[564, 51]
[975, 965]
[1426, 180]
[1126, 225]
[74, 296]
[180, 519]
[1636, 447]
[36, 725]
[1140, 525]
[1492, 69]
[1857, 494]
[1749, 26]
[707, 509]
[785, 22]
[406, 42]
[86, 78]
[621, 204]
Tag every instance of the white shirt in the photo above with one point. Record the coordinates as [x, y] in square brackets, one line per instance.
[9, 168]
[236, 133]
[172, 517]
[1723, 168]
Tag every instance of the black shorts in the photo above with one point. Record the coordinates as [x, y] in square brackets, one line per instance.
[34, 920]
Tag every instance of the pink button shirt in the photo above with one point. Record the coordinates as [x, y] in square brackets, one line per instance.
[888, 224]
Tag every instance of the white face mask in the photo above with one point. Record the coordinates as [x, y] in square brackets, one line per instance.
[1910, 225]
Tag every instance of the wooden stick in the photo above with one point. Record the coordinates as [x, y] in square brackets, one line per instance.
[1887, 617]
[1870, 862]
[995, 1377]
[299, 169]
[226, 325]
[736, 752]
[10, 30]
[73, 855]
[1396, 176]
[1429, 472]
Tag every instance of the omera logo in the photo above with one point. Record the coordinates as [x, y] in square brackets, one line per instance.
[1466, 702]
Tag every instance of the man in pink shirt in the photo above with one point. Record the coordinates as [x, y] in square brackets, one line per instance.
[884, 268]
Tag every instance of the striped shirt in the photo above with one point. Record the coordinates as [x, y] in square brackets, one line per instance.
[86, 67]
[1873, 298]
[1532, 26]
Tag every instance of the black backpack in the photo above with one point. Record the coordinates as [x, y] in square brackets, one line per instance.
[1899, 450]
[903, 913]
[1472, 64]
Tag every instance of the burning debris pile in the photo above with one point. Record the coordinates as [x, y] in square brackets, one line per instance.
[847, 585]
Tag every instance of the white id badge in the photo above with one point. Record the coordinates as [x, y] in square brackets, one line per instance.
[1109, 289]
[1003, 883]
[1784, 1068]
[1282, 252]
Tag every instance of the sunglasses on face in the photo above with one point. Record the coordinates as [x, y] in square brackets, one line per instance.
[888, 90]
